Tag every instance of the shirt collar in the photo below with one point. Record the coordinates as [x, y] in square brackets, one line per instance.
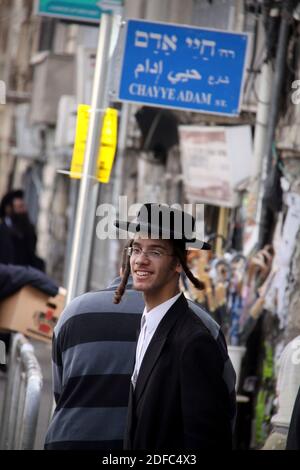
[154, 316]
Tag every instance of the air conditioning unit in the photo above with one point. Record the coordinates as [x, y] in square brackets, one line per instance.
[53, 77]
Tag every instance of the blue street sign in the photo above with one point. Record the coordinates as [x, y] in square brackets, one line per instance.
[75, 10]
[183, 67]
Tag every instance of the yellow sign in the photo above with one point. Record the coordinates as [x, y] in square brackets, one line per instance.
[82, 126]
[107, 148]
[108, 145]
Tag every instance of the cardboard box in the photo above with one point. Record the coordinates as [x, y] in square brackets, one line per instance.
[31, 312]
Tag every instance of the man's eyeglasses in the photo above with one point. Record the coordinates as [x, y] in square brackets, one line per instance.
[150, 254]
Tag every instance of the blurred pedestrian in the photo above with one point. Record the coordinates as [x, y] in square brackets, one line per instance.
[178, 397]
[17, 234]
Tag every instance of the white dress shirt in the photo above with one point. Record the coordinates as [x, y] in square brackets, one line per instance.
[149, 322]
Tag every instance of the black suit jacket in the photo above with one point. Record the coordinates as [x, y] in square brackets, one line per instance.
[293, 439]
[180, 400]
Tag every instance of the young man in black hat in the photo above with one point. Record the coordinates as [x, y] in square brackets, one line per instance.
[93, 355]
[178, 398]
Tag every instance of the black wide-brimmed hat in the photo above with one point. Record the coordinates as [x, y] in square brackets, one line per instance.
[164, 222]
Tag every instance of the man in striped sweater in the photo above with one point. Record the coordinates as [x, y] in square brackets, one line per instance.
[93, 357]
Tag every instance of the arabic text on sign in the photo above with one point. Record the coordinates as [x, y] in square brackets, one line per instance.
[149, 67]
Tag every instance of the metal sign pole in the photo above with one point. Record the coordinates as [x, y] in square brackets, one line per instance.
[80, 252]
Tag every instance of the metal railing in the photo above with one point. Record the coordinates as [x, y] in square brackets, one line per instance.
[22, 397]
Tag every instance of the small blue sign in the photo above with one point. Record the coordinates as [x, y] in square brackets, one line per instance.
[183, 67]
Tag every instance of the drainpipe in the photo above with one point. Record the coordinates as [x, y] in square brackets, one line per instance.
[286, 18]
